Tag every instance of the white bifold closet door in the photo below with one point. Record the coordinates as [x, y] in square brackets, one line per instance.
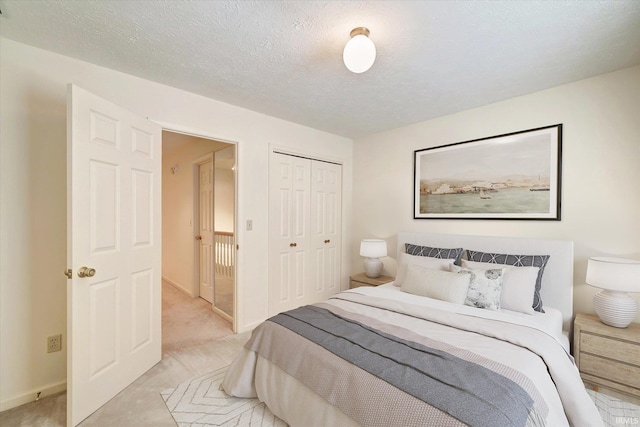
[305, 231]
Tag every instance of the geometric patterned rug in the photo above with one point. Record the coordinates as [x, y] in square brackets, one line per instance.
[201, 403]
[615, 412]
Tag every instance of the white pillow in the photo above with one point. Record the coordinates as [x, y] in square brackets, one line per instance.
[437, 284]
[424, 261]
[518, 286]
[485, 287]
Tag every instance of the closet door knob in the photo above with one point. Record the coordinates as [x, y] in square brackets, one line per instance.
[327, 241]
[293, 245]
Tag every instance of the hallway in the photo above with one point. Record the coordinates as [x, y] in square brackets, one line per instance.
[187, 322]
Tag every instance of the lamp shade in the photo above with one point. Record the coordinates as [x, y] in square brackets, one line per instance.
[359, 53]
[615, 274]
[373, 248]
[616, 277]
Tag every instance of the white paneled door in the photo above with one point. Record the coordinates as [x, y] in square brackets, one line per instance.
[113, 250]
[326, 233]
[289, 194]
[305, 231]
[205, 233]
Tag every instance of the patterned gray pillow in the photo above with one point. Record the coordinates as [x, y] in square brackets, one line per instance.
[485, 287]
[428, 251]
[539, 261]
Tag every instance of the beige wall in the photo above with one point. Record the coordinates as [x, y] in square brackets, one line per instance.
[600, 172]
[33, 196]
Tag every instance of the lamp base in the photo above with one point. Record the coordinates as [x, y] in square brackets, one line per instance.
[615, 308]
[372, 267]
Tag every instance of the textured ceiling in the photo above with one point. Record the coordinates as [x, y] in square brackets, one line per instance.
[284, 58]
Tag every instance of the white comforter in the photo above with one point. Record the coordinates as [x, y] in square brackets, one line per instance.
[532, 348]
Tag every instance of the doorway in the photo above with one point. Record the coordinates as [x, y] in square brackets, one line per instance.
[198, 224]
[116, 201]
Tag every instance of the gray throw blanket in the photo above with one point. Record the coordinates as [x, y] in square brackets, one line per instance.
[469, 392]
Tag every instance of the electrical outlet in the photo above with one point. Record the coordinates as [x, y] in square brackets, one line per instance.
[54, 343]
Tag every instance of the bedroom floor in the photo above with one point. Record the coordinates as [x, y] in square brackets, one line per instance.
[195, 342]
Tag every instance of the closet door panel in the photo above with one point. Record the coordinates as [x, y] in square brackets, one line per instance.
[289, 219]
[326, 223]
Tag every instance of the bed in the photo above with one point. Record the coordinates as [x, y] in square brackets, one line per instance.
[427, 350]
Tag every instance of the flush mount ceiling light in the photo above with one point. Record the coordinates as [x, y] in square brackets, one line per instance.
[360, 52]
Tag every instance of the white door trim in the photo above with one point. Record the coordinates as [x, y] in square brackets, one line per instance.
[198, 133]
[288, 151]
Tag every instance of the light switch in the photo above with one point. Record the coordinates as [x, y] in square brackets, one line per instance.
[249, 225]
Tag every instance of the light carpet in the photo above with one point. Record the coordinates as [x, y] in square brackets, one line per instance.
[615, 412]
[201, 403]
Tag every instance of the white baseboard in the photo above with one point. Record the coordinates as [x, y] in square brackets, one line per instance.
[249, 327]
[222, 314]
[178, 286]
[31, 396]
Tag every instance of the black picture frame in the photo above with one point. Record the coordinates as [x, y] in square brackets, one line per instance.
[514, 176]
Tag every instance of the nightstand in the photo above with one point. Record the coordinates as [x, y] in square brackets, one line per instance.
[361, 279]
[607, 356]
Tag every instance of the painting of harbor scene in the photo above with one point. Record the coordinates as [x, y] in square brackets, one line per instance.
[512, 176]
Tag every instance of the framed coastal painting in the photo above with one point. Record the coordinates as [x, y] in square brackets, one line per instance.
[511, 176]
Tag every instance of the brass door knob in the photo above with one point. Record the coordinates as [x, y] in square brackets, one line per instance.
[69, 273]
[86, 272]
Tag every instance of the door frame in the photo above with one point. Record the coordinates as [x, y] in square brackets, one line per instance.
[237, 289]
[195, 167]
[288, 151]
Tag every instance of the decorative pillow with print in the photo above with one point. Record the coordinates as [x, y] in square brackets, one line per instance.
[442, 253]
[485, 287]
[539, 261]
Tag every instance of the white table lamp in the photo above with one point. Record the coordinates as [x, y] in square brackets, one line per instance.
[616, 277]
[372, 249]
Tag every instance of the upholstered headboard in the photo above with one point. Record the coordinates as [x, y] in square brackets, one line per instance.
[557, 281]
